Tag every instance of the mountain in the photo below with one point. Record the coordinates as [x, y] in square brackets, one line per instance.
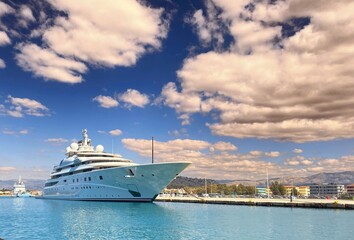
[337, 177]
[180, 182]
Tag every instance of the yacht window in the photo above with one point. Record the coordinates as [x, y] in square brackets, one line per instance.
[89, 178]
[85, 179]
[101, 178]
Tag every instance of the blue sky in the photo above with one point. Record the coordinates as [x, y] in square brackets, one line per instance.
[235, 87]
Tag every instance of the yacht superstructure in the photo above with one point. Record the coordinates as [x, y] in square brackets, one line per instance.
[88, 173]
[19, 187]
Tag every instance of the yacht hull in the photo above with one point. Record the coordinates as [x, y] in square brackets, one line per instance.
[138, 183]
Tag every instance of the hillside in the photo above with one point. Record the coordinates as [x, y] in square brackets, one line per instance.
[337, 177]
[180, 182]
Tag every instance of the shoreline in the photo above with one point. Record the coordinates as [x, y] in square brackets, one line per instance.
[298, 203]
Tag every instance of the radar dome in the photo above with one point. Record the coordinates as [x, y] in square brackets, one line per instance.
[68, 149]
[74, 146]
[99, 148]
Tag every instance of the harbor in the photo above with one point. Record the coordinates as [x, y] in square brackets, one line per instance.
[266, 202]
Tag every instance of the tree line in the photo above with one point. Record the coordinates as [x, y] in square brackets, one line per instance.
[240, 189]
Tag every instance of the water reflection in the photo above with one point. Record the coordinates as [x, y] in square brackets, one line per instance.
[50, 219]
[78, 220]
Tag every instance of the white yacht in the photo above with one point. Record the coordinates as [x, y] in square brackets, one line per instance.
[19, 187]
[90, 174]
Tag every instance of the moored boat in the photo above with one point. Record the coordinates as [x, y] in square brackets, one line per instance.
[88, 173]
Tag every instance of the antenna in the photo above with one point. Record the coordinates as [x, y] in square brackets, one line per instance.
[152, 149]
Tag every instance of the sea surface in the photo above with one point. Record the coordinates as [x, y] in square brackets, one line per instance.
[29, 218]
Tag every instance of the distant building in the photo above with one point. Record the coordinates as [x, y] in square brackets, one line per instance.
[329, 189]
[350, 189]
[303, 191]
[5, 192]
[263, 191]
[289, 189]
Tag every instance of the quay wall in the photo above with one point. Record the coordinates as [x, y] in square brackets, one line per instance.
[299, 203]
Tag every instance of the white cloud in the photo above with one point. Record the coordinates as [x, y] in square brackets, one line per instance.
[8, 132]
[134, 98]
[26, 13]
[297, 150]
[229, 164]
[11, 132]
[6, 169]
[18, 107]
[115, 132]
[56, 141]
[25, 16]
[273, 86]
[224, 146]
[297, 161]
[2, 63]
[272, 154]
[5, 9]
[184, 103]
[215, 164]
[90, 35]
[24, 131]
[4, 39]
[45, 63]
[207, 24]
[106, 101]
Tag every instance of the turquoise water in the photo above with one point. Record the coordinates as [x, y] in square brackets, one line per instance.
[28, 218]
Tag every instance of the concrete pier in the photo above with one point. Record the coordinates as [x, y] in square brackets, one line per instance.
[301, 203]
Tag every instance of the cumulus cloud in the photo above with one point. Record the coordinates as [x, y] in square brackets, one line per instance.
[221, 162]
[272, 154]
[106, 101]
[43, 62]
[207, 24]
[2, 63]
[91, 37]
[4, 39]
[19, 107]
[134, 98]
[130, 98]
[115, 132]
[298, 160]
[224, 146]
[274, 84]
[25, 16]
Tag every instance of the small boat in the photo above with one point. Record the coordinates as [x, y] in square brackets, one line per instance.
[20, 189]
